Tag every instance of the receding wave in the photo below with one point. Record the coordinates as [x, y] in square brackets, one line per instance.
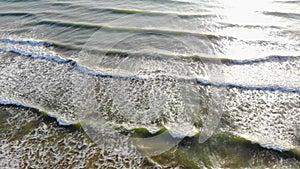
[61, 91]
[116, 54]
[74, 96]
[78, 125]
[95, 73]
[90, 72]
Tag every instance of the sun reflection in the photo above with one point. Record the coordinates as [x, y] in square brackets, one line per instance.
[256, 30]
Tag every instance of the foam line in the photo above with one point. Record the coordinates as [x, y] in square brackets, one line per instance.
[64, 124]
[3, 103]
[94, 73]
[26, 42]
[273, 148]
[242, 87]
[224, 60]
[36, 56]
[59, 121]
[259, 60]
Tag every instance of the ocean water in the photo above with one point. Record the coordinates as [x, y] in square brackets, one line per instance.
[145, 84]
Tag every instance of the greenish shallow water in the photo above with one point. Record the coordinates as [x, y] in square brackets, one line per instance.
[36, 140]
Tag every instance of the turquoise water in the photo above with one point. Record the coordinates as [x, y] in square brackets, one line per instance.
[139, 84]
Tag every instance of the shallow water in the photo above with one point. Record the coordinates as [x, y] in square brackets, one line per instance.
[210, 84]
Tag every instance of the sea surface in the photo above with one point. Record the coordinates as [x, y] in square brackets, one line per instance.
[149, 84]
